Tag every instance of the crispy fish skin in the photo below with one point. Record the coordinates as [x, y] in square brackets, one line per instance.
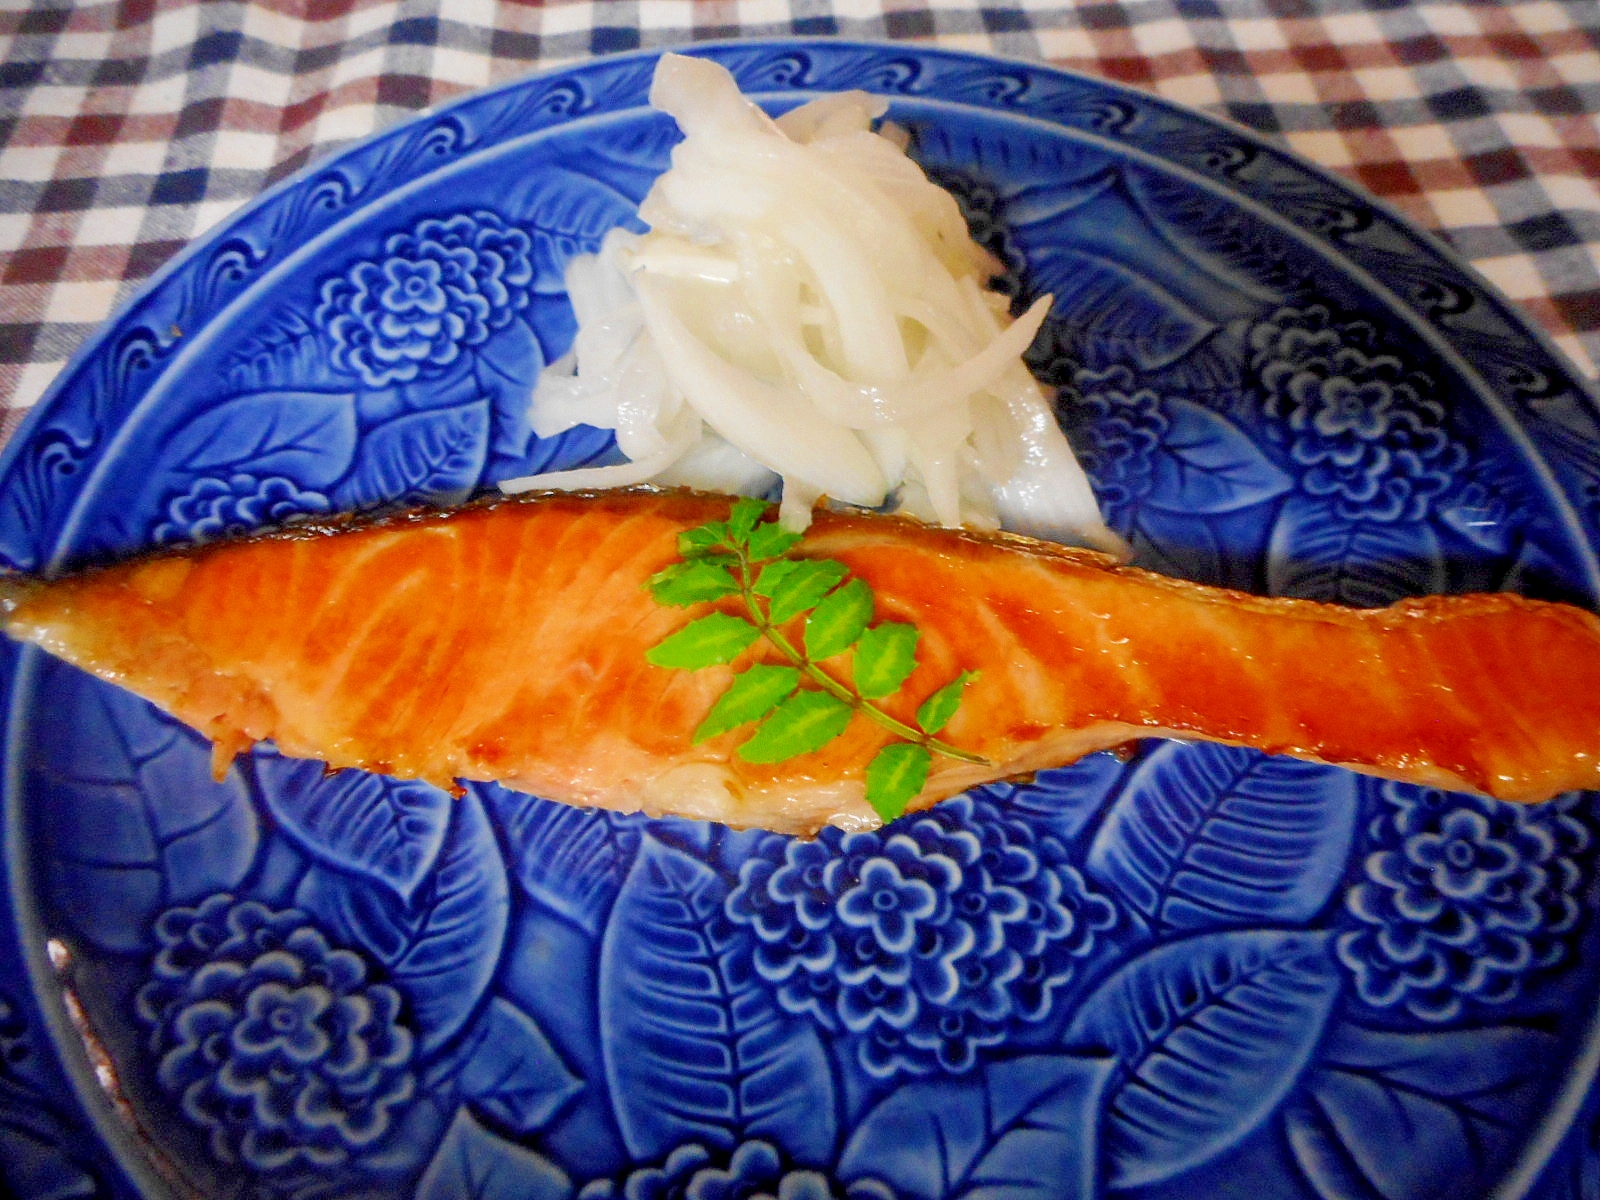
[507, 642]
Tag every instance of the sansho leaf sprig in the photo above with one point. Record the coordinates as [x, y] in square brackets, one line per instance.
[798, 707]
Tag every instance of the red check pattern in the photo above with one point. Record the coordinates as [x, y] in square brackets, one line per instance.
[127, 127]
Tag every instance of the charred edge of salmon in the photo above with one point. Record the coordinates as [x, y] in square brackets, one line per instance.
[15, 587]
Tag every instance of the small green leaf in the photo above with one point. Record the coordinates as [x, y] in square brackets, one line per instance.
[691, 582]
[770, 540]
[703, 539]
[717, 638]
[938, 708]
[885, 655]
[896, 773]
[774, 573]
[746, 512]
[801, 588]
[806, 721]
[754, 693]
[839, 620]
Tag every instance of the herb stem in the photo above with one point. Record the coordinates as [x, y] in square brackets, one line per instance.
[831, 685]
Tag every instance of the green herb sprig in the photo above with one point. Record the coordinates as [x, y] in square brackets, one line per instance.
[796, 706]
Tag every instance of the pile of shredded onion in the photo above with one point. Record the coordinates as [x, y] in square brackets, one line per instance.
[807, 305]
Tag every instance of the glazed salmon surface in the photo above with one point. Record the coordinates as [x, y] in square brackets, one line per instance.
[507, 642]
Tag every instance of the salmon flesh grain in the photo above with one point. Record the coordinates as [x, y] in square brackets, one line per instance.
[507, 641]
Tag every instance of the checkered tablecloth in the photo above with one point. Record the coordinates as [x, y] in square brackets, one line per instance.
[127, 127]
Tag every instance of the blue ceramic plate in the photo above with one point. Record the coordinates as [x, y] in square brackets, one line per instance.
[1199, 972]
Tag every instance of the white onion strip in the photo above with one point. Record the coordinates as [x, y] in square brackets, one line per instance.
[808, 304]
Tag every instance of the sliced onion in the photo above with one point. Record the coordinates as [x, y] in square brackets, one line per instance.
[807, 305]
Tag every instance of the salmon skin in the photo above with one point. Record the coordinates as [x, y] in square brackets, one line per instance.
[506, 641]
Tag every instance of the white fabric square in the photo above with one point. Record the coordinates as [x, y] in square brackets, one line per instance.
[1449, 20]
[31, 164]
[465, 67]
[87, 44]
[1162, 37]
[81, 301]
[1387, 83]
[1421, 142]
[158, 95]
[1517, 275]
[1257, 34]
[272, 26]
[32, 381]
[667, 14]
[1290, 87]
[209, 213]
[1456, 207]
[174, 27]
[54, 100]
[1199, 90]
[1353, 29]
[555, 19]
[263, 86]
[344, 123]
[366, 65]
[373, 19]
[1577, 68]
[1326, 147]
[133, 158]
[118, 225]
[244, 150]
[14, 230]
[1544, 16]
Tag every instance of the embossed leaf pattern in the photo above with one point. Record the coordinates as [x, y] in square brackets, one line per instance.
[1317, 554]
[127, 806]
[306, 436]
[568, 211]
[433, 457]
[1209, 1035]
[1407, 1116]
[506, 370]
[389, 830]
[473, 1163]
[1065, 799]
[570, 860]
[1207, 464]
[442, 949]
[1123, 285]
[1184, 547]
[672, 991]
[511, 1071]
[1024, 1130]
[1206, 837]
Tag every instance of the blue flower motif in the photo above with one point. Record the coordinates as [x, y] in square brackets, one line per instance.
[1117, 431]
[272, 1041]
[441, 288]
[1463, 899]
[1365, 431]
[221, 508]
[888, 903]
[924, 941]
[753, 1170]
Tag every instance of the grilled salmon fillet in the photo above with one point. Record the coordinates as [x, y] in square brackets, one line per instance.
[507, 642]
